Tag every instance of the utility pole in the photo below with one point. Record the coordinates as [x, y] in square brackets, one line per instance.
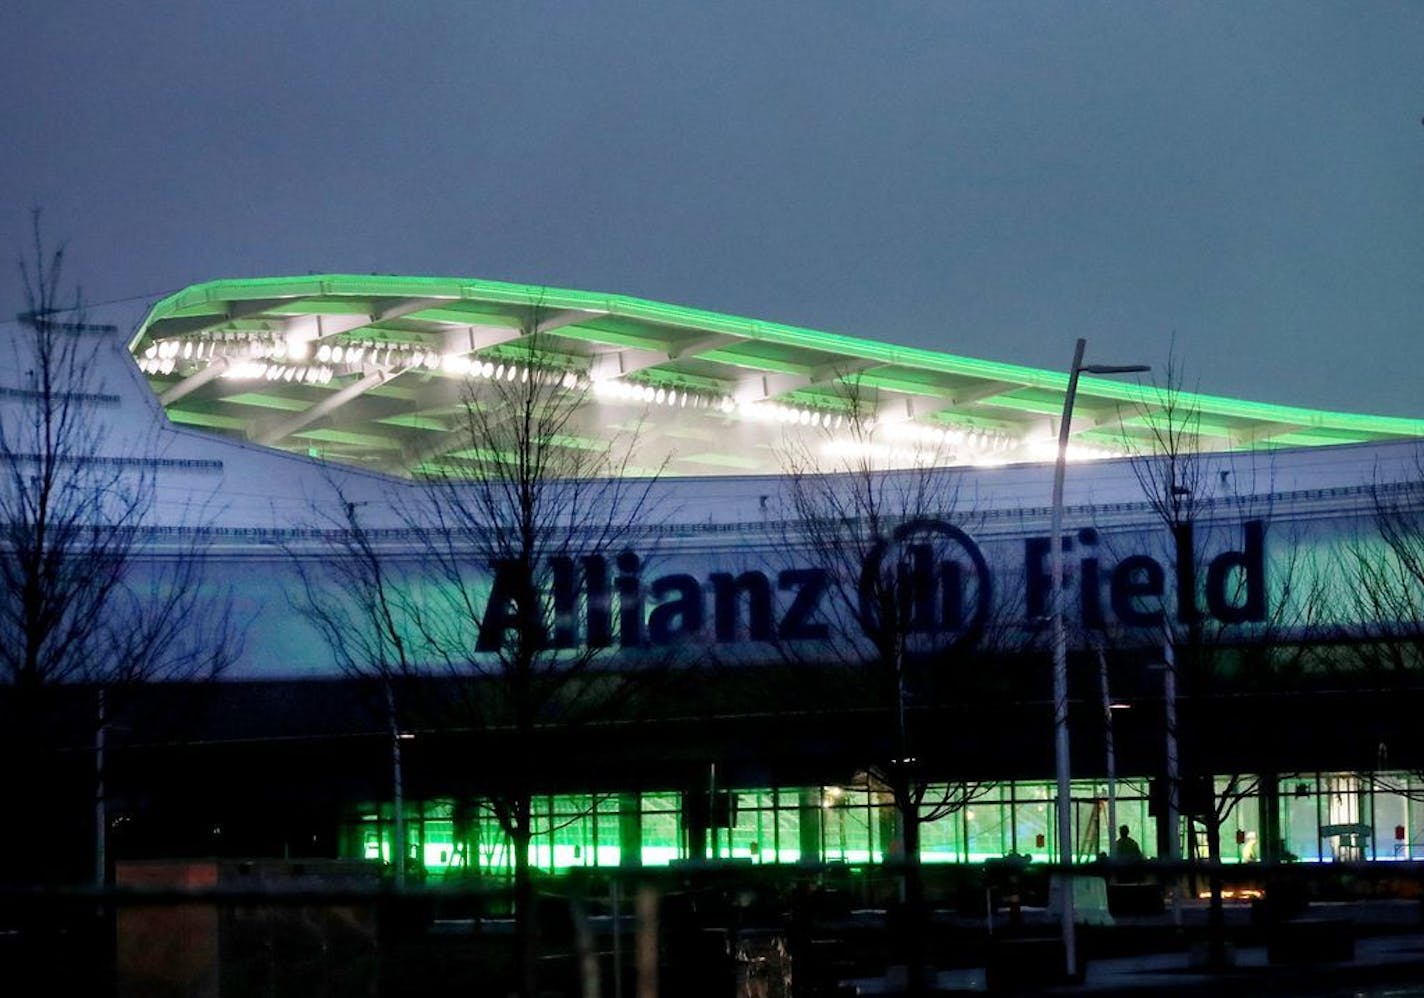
[1060, 651]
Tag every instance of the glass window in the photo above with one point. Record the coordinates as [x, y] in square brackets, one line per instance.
[1391, 813]
[988, 825]
[1132, 808]
[1033, 817]
[1300, 824]
[662, 829]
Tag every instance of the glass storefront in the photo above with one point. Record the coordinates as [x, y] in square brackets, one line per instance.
[1320, 817]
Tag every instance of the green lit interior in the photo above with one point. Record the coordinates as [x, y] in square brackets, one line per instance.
[855, 827]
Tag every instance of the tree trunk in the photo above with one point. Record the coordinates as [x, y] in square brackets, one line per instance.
[912, 897]
[526, 941]
[1216, 917]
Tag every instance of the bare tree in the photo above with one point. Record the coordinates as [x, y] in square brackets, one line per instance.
[1204, 502]
[355, 594]
[518, 580]
[908, 593]
[93, 598]
[1385, 573]
[1382, 585]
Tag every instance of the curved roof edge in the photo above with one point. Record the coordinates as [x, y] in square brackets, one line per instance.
[651, 343]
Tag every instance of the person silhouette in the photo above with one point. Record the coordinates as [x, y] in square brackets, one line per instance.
[1126, 849]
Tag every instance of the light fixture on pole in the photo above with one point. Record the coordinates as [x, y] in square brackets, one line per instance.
[1060, 647]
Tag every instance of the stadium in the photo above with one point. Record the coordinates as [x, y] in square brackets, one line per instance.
[1243, 628]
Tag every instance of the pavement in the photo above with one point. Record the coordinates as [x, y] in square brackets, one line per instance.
[1386, 959]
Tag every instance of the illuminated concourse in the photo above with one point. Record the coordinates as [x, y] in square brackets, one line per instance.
[834, 824]
[272, 415]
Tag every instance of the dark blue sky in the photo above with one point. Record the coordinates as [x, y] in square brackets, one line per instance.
[988, 179]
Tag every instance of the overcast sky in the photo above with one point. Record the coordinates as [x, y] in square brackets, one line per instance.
[991, 179]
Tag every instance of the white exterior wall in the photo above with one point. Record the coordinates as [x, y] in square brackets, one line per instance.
[256, 503]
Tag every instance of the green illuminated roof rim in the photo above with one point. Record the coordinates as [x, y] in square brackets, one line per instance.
[212, 297]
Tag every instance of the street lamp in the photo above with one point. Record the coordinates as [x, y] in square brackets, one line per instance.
[1109, 750]
[1060, 645]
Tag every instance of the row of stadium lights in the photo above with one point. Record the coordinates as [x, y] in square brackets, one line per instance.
[614, 390]
[264, 360]
[919, 438]
[911, 441]
[256, 359]
[293, 350]
[248, 370]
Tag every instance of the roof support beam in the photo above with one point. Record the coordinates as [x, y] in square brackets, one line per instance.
[551, 321]
[194, 381]
[621, 363]
[759, 387]
[908, 407]
[326, 406]
[312, 328]
[981, 390]
[703, 344]
[473, 338]
[1257, 433]
[1097, 419]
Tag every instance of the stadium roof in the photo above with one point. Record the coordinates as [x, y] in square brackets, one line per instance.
[372, 370]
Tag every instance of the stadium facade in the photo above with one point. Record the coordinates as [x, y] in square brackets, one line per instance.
[263, 414]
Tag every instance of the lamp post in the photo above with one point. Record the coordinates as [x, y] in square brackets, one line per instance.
[1109, 749]
[1060, 647]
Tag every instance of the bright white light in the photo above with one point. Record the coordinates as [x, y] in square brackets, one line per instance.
[245, 371]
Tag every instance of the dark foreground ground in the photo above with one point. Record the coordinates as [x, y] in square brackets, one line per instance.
[1359, 948]
[708, 942]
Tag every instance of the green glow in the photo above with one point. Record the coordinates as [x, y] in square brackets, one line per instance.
[850, 825]
[345, 437]
[317, 290]
[221, 292]
[414, 421]
[612, 322]
[266, 401]
[209, 420]
[484, 454]
[576, 443]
